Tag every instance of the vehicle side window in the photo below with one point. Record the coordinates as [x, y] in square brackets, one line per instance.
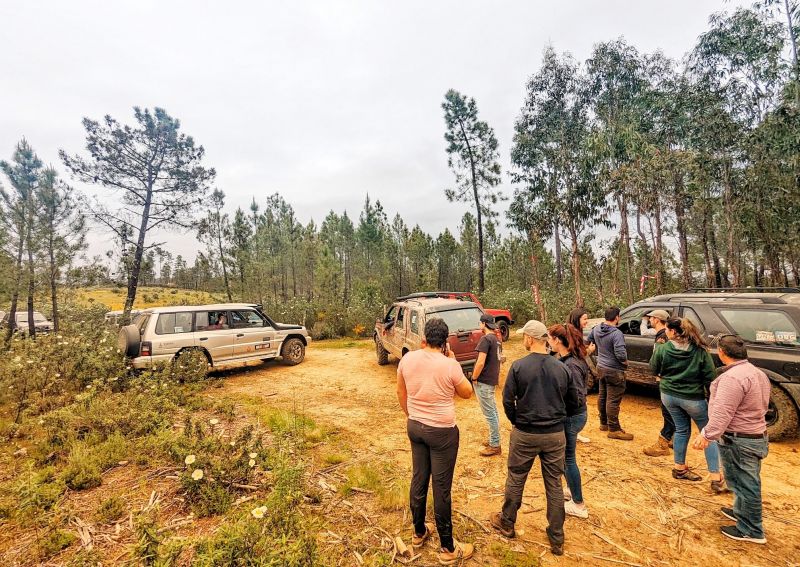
[401, 318]
[632, 322]
[391, 314]
[172, 323]
[761, 326]
[246, 319]
[211, 320]
[691, 314]
[415, 322]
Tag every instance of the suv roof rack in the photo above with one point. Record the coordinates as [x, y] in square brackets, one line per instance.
[749, 289]
[424, 294]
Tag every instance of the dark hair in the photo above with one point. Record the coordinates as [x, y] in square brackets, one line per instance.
[574, 317]
[436, 332]
[611, 313]
[685, 329]
[733, 346]
[570, 337]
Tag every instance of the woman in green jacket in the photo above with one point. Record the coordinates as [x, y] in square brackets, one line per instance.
[686, 370]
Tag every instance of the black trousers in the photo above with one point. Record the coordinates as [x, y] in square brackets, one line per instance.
[668, 431]
[433, 455]
[609, 399]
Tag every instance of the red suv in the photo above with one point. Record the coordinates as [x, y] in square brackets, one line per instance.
[501, 316]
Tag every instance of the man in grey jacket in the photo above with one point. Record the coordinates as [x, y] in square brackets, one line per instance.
[612, 360]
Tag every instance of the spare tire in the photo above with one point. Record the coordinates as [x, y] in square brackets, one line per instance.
[129, 340]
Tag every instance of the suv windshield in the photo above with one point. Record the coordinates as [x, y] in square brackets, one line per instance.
[459, 319]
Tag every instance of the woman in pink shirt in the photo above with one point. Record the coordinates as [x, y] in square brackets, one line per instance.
[427, 381]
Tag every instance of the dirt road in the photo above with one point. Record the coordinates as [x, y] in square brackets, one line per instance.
[638, 513]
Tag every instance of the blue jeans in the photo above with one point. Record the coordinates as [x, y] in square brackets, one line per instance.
[683, 412]
[572, 426]
[485, 395]
[741, 459]
[668, 430]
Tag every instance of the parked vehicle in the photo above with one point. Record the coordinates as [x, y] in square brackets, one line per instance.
[41, 323]
[225, 333]
[769, 321]
[501, 316]
[402, 328]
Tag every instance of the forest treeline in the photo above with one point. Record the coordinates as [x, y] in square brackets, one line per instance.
[631, 173]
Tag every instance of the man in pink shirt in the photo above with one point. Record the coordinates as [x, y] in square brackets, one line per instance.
[736, 410]
[427, 381]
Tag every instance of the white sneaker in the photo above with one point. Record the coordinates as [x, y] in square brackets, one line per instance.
[574, 510]
[583, 439]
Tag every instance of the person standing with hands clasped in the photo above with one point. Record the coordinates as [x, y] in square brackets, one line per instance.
[737, 409]
[612, 360]
[427, 381]
[485, 378]
[537, 397]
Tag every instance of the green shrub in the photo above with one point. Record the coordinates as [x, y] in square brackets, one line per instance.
[36, 492]
[110, 510]
[54, 542]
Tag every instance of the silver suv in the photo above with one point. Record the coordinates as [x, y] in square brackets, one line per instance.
[226, 333]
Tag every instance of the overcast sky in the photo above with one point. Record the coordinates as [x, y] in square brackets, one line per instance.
[323, 101]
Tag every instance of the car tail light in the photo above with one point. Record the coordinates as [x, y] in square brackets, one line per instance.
[146, 349]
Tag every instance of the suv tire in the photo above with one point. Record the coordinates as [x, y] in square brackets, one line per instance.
[782, 418]
[502, 324]
[293, 351]
[129, 340]
[382, 353]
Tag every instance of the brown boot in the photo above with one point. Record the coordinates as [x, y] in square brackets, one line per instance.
[621, 435]
[496, 520]
[490, 451]
[658, 449]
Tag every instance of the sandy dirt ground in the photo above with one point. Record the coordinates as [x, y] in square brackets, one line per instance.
[639, 515]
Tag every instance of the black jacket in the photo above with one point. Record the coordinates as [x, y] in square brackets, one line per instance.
[578, 373]
[538, 394]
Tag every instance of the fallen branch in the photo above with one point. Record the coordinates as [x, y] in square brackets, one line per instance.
[606, 539]
[601, 558]
[480, 525]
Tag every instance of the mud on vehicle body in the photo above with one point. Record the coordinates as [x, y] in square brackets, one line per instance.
[226, 333]
[402, 328]
[768, 321]
[501, 316]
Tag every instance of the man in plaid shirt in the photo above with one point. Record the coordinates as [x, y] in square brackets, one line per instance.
[736, 410]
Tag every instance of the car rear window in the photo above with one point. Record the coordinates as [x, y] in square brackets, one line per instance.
[459, 319]
[174, 323]
[761, 326]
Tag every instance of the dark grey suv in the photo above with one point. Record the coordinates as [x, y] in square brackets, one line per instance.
[769, 320]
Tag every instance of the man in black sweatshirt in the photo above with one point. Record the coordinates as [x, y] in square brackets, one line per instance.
[537, 394]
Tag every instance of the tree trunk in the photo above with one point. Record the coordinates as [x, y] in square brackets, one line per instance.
[712, 242]
[133, 280]
[625, 242]
[31, 269]
[12, 311]
[730, 252]
[680, 227]
[53, 275]
[706, 253]
[222, 258]
[658, 249]
[559, 260]
[537, 292]
[576, 264]
[476, 197]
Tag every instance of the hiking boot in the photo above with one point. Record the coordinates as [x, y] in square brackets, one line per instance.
[419, 541]
[719, 486]
[728, 513]
[621, 435]
[603, 427]
[572, 509]
[685, 474]
[461, 552]
[556, 549]
[490, 451]
[658, 449]
[734, 533]
[497, 523]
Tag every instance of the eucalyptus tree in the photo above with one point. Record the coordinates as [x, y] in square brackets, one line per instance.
[473, 158]
[157, 170]
[62, 230]
[24, 173]
[552, 153]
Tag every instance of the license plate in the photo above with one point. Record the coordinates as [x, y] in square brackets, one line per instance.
[262, 346]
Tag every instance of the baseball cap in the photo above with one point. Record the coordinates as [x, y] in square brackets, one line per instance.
[533, 328]
[488, 320]
[659, 314]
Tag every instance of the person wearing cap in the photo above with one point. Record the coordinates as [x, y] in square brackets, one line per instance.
[736, 420]
[537, 397]
[661, 448]
[485, 378]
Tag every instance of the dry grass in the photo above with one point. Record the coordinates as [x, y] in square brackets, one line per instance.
[114, 298]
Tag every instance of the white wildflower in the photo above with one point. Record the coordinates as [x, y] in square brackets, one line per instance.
[190, 459]
[197, 474]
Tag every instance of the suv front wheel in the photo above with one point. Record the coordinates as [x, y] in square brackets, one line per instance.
[782, 418]
[293, 351]
[382, 353]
